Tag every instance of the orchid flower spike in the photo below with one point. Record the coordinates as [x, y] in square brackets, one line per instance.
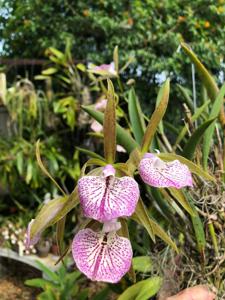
[102, 256]
[30, 242]
[107, 197]
[158, 173]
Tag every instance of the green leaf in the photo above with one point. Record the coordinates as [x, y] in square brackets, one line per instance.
[136, 116]
[198, 228]
[49, 71]
[52, 212]
[193, 167]
[90, 153]
[20, 162]
[208, 137]
[142, 217]
[180, 197]
[60, 229]
[205, 76]
[49, 273]
[193, 118]
[194, 140]
[123, 137]
[187, 98]
[109, 125]
[116, 59]
[44, 170]
[142, 290]
[142, 264]
[39, 283]
[156, 116]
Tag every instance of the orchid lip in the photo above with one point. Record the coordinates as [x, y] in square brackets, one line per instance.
[102, 256]
[107, 197]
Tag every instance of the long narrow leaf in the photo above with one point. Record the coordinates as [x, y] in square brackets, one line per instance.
[52, 212]
[216, 108]
[156, 116]
[207, 79]
[44, 170]
[194, 140]
[197, 114]
[136, 116]
[143, 290]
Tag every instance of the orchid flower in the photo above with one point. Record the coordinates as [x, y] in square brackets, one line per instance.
[30, 242]
[102, 256]
[104, 70]
[158, 173]
[107, 197]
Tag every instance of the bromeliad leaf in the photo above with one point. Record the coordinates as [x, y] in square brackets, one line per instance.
[136, 116]
[109, 125]
[156, 116]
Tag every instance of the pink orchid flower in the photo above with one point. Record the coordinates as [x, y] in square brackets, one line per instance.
[102, 256]
[107, 197]
[158, 173]
[104, 70]
[30, 242]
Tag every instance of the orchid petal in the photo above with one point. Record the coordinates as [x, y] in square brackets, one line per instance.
[157, 173]
[96, 127]
[30, 242]
[102, 256]
[106, 198]
[104, 69]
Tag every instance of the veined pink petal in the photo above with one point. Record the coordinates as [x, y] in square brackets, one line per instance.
[106, 198]
[29, 242]
[157, 173]
[102, 256]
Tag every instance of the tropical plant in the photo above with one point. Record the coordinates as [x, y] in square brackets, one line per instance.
[59, 285]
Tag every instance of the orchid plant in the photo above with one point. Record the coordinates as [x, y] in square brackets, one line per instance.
[110, 194]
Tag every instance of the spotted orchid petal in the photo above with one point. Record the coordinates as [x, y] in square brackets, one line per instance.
[102, 256]
[158, 173]
[30, 242]
[107, 197]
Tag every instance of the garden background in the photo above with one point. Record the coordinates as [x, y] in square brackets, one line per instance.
[48, 94]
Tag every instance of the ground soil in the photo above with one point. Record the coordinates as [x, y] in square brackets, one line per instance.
[12, 277]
